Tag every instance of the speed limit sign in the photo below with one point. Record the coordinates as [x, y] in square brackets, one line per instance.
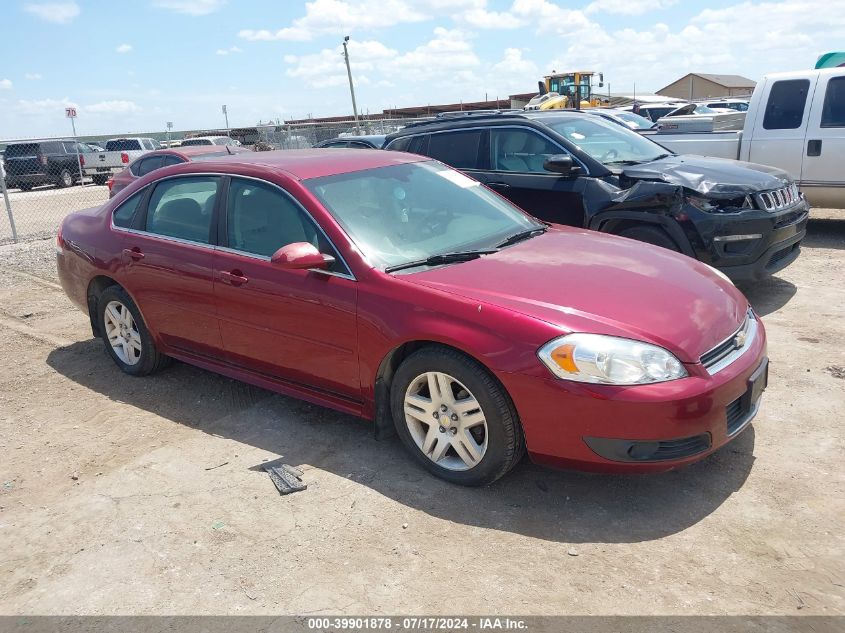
[70, 113]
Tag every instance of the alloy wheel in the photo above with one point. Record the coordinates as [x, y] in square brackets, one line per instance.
[122, 332]
[445, 421]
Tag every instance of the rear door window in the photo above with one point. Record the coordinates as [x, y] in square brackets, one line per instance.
[172, 160]
[785, 108]
[833, 110]
[22, 150]
[183, 208]
[458, 149]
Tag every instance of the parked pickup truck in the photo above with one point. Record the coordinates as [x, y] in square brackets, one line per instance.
[795, 121]
[119, 153]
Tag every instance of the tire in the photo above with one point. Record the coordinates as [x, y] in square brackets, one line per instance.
[132, 361]
[100, 180]
[651, 235]
[25, 187]
[64, 179]
[497, 441]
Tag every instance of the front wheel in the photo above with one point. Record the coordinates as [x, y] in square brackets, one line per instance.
[455, 418]
[125, 335]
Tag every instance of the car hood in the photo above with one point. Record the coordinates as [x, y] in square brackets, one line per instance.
[582, 281]
[716, 177]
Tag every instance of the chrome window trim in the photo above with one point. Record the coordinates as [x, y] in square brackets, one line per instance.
[498, 127]
[226, 249]
[749, 326]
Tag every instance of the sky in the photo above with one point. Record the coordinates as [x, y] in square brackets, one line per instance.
[133, 66]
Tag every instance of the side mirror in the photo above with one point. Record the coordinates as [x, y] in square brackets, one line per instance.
[561, 164]
[299, 256]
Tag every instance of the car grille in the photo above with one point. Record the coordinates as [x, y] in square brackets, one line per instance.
[727, 351]
[782, 253]
[778, 199]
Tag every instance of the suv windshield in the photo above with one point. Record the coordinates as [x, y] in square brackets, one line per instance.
[607, 142]
[404, 213]
[123, 145]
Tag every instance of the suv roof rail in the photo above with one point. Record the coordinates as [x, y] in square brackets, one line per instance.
[462, 114]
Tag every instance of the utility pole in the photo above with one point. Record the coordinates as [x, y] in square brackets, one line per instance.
[351, 87]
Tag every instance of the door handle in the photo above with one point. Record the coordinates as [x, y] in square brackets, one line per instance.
[235, 277]
[499, 185]
[814, 147]
[133, 253]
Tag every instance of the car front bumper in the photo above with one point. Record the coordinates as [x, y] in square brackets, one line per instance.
[772, 241]
[643, 428]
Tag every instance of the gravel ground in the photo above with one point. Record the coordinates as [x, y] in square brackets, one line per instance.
[146, 496]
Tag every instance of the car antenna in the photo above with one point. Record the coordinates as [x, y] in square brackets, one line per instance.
[229, 149]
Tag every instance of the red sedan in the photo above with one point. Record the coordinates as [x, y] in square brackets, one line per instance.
[164, 158]
[394, 288]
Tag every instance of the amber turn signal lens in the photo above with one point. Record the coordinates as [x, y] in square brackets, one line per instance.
[564, 357]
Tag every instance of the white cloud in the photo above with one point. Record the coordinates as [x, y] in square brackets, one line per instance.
[58, 12]
[113, 107]
[5, 84]
[628, 7]
[448, 58]
[478, 16]
[784, 36]
[44, 106]
[190, 7]
[227, 51]
[32, 76]
[341, 17]
[123, 48]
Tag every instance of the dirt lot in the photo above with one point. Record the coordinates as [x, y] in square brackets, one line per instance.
[124, 495]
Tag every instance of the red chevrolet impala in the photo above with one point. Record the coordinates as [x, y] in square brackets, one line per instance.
[394, 288]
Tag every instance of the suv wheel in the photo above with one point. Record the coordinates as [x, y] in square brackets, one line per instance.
[65, 179]
[100, 180]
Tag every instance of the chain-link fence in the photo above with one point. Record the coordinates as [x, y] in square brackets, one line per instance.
[44, 179]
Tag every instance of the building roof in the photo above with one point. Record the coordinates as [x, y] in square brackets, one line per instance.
[726, 81]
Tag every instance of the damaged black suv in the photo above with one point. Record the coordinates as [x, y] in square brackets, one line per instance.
[568, 167]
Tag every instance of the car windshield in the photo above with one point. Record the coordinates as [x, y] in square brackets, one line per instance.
[607, 142]
[404, 213]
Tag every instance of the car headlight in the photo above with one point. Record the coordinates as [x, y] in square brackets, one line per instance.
[609, 360]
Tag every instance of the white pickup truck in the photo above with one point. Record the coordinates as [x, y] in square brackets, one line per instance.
[100, 166]
[795, 121]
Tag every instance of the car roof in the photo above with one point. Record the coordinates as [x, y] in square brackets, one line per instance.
[475, 118]
[311, 163]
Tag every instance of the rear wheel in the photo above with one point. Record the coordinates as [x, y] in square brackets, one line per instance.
[100, 180]
[125, 335]
[25, 187]
[651, 235]
[455, 418]
[64, 179]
